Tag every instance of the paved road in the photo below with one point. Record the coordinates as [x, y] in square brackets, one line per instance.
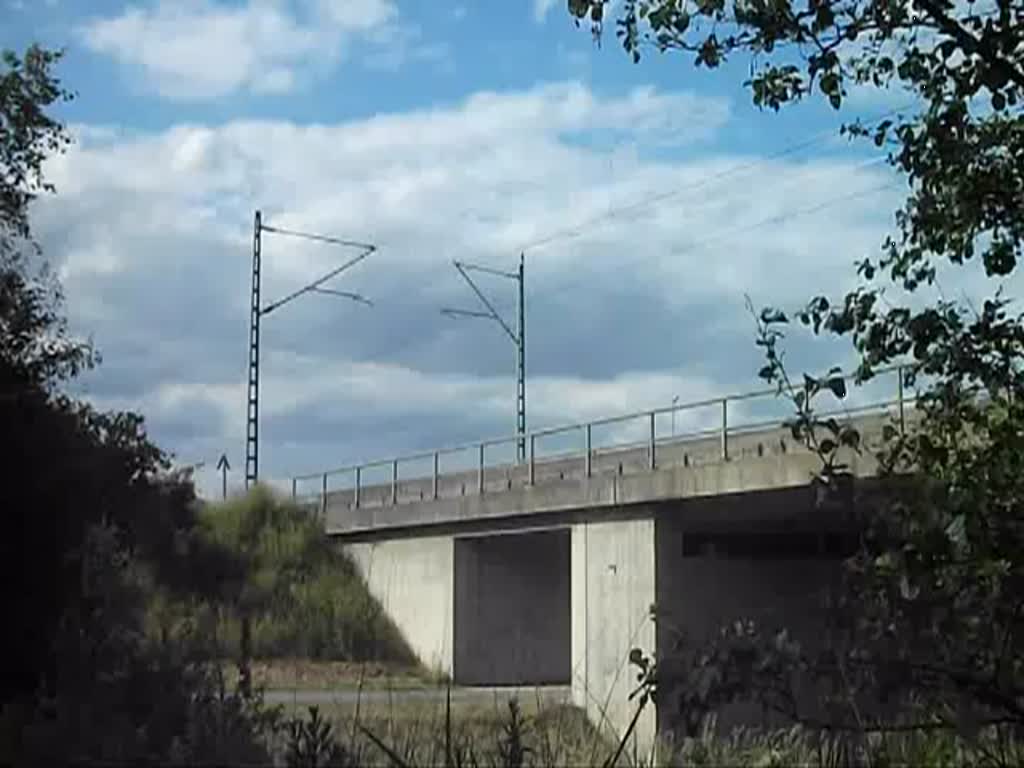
[549, 695]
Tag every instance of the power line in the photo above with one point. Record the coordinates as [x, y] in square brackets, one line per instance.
[579, 228]
[777, 219]
[710, 201]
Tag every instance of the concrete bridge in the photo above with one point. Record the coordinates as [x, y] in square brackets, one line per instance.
[544, 572]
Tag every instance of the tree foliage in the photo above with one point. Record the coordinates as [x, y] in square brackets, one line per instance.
[94, 519]
[28, 136]
[928, 627]
[961, 149]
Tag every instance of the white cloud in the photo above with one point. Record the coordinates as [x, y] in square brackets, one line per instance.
[206, 49]
[542, 7]
[358, 14]
[395, 46]
[152, 236]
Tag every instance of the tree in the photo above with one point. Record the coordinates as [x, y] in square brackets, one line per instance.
[93, 516]
[931, 608]
[28, 135]
[963, 62]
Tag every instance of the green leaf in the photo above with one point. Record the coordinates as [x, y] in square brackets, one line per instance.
[885, 561]
[956, 531]
[908, 591]
[770, 315]
[579, 8]
[850, 437]
[838, 386]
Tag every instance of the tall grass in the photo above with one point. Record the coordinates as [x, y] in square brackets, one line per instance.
[446, 734]
[563, 736]
[304, 597]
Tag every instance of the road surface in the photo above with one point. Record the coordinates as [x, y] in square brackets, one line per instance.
[553, 694]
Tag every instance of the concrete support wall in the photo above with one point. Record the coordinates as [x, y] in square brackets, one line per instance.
[414, 581]
[613, 588]
[512, 609]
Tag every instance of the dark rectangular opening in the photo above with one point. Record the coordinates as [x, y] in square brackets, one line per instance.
[769, 545]
[512, 609]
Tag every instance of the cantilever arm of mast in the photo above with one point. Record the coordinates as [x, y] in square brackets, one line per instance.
[320, 238]
[489, 270]
[450, 312]
[314, 286]
[345, 295]
[493, 312]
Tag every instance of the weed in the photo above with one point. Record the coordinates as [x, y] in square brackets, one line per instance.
[311, 744]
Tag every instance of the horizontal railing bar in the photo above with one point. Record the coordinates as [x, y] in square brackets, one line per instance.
[314, 497]
[567, 428]
[678, 439]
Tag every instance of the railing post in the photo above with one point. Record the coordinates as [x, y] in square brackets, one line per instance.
[436, 463]
[394, 481]
[899, 396]
[653, 462]
[480, 482]
[358, 473]
[725, 429]
[323, 495]
[533, 442]
[588, 467]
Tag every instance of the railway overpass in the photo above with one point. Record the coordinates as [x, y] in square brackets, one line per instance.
[544, 572]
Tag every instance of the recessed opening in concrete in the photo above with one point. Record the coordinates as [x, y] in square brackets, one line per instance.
[512, 609]
[708, 578]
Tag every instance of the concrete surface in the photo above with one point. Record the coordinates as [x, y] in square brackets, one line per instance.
[546, 606]
[512, 609]
[613, 588]
[560, 481]
[594, 494]
[414, 581]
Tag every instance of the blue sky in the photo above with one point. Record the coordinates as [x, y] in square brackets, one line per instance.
[437, 131]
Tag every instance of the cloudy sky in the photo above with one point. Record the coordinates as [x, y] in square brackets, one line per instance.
[648, 200]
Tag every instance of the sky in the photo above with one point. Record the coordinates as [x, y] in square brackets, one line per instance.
[649, 199]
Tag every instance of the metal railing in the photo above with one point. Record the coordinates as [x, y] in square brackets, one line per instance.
[722, 430]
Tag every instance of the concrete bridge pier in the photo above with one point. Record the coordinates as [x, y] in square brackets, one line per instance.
[560, 606]
[613, 589]
[565, 604]
[544, 572]
[413, 579]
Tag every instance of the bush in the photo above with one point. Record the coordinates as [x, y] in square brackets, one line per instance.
[127, 698]
[302, 595]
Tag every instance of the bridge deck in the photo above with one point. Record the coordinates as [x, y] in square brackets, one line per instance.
[757, 458]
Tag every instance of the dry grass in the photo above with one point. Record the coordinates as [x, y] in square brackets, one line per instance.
[314, 675]
[415, 731]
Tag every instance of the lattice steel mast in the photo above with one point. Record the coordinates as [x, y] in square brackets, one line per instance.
[518, 336]
[252, 423]
[256, 313]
